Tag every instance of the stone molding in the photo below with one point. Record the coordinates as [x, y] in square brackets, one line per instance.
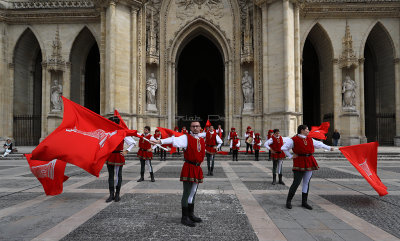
[52, 4]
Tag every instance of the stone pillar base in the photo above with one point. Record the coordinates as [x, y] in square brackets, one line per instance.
[151, 107]
[350, 140]
[396, 141]
[248, 107]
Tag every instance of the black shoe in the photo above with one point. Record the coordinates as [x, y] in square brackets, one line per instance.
[273, 179]
[111, 197]
[288, 204]
[117, 198]
[289, 199]
[211, 174]
[191, 214]
[152, 177]
[280, 180]
[141, 179]
[304, 197]
[185, 220]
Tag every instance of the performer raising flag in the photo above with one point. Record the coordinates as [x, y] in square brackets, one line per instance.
[145, 153]
[364, 158]
[230, 137]
[303, 162]
[191, 174]
[220, 133]
[274, 145]
[257, 145]
[213, 142]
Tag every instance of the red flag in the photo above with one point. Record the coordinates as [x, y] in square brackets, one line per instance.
[84, 139]
[121, 121]
[50, 174]
[319, 132]
[208, 123]
[165, 133]
[364, 158]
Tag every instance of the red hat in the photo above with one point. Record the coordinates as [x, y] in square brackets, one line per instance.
[157, 130]
[270, 131]
[233, 128]
[257, 134]
[249, 127]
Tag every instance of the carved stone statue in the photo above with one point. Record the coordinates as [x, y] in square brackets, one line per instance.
[151, 88]
[248, 90]
[55, 98]
[349, 93]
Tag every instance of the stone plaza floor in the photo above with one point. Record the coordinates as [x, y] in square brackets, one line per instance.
[237, 203]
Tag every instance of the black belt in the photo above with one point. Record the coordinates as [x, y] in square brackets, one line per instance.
[211, 145]
[193, 163]
[143, 149]
[304, 154]
[116, 151]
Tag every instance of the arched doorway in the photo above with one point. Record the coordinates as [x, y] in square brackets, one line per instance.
[85, 71]
[379, 87]
[317, 78]
[27, 100]
[200, 82]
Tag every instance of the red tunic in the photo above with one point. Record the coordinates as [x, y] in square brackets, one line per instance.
[211, 141]
[157, 136]
[276, 145]
[301, 148]
[232, 134]
[194, 152]
[143, 152]
[249, 134]
[185, 132]
[220, 133]
[116, 159]
[256, 142]
[234, 143]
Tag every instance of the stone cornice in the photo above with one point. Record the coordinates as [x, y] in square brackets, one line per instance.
[49, 16]
[51, 4]
[349, 8]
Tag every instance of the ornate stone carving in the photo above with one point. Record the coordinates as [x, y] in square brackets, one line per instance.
[247, 31]
[52, 4]
[248, 91]
[347, 59]
[349, 94]
[56, 61]
[152, 55]
[189, 8]
[151, 88]
[55, 98]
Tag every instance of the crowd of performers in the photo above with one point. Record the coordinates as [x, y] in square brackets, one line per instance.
[197, 144]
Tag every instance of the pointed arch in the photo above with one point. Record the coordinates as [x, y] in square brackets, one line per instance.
[85, 70]
[27, 89]
[381, 26]
[379, 86]
[317, 77]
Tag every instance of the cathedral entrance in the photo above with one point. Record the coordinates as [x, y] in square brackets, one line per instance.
[27, 99]
[379, 87]
[85, 71]
[200, 83]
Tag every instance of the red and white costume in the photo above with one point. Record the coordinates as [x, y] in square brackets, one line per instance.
[144, 146]
[116, 159]
[212, 140]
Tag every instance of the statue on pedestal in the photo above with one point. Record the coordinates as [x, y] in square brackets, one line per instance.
[248, 91]
[55, 98]
[151, 88]
[349, 93]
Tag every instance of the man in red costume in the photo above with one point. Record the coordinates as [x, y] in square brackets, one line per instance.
[230, 137]
[191, 174]
[145, 153]
[270, 132]
[235, 146]
[274, 145]
[177, 130]
[303, 162]
[220, 133]
[115, 163]
[249, 135]
[157, 136]
[213, 142]
[257, 145]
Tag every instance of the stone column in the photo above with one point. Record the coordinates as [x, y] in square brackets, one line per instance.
[103, 95]
[397, 91]
[9, 108]
[363, 138]
[264, 12]
[297, 59]
[67, 80]
[133, 89]
[337, 94]
[6, 89]
[286, 49]
[110, 58]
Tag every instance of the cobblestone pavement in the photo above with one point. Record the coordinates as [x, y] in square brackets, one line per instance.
[237, 203]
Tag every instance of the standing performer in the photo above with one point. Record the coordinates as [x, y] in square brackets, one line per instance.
[157, 136]
[235, 146]
[270, 132]
[177, 130]
[257, 145]
[212, 139]
[249, 135]
[145, 153]
[274, 145]
[115, 163]
[303, 162]
[220, 133]
[191, 174]
[184, 131]
[230, 137]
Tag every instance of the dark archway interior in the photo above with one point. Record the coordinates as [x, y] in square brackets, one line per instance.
[200, 87]
[92, 80]
[311, 86]
[369, 94]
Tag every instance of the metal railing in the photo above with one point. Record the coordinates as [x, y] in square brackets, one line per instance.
[386, 128]
[27, 130]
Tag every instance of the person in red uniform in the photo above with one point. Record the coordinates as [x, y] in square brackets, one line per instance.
[257, 145]
[115, 163]
[274, 145]
[270, 132]
[191, 174]
[249, 135]
[157, 136]
[177, 149]
[145, 153]
[220, 133]
[213, 142]
[235, 146]
[230, 137]
[304, 162]
[184, 130]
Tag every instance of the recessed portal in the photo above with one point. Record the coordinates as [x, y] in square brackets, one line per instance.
[200, 83]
